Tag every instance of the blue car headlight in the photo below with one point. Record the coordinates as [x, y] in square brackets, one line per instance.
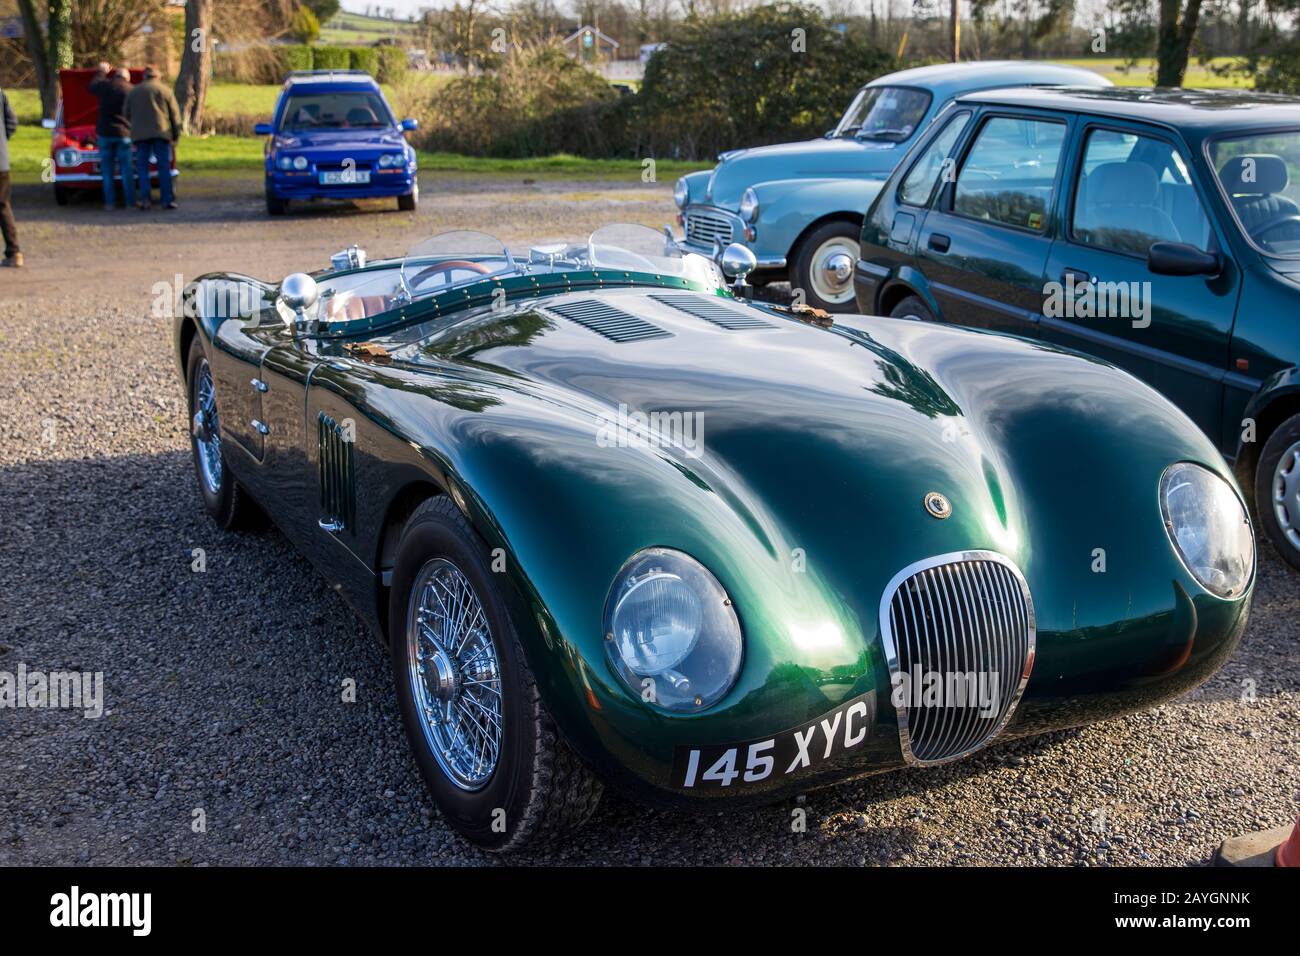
[1209, 528]
[671, 632]
[391, 159]
[749, 205]
[681, 192]
[300, 162]
[284, 162]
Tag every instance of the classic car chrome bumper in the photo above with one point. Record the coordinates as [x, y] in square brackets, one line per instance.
[706, 224]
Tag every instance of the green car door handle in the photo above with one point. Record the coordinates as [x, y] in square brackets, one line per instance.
[939, 242]
[1077, 275]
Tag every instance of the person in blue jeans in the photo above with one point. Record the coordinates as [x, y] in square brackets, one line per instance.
[155, 127]
[113, 131]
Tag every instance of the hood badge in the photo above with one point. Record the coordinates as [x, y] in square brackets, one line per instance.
[938, 505]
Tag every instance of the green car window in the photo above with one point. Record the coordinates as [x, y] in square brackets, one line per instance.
[925, 172]
[1135, 190]
[1008, 174]
[1260, 177]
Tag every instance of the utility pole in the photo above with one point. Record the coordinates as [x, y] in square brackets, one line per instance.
[956, 31]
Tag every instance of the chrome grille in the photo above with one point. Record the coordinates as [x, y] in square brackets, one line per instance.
[706, 226]
[967, 618]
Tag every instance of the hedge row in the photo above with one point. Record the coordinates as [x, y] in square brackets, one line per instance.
[270, 64]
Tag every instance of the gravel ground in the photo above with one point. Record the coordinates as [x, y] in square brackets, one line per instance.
[222, 688]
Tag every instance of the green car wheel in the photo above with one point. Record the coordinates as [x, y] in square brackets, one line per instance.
[484, 742]
[1277, 489]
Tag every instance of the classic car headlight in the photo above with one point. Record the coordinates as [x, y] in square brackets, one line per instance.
[671, 632]
[749, 205]
[1209, 528]
[300, 162]
[68, 157]
[681, 192]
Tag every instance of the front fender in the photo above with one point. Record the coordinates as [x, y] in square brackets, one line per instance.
[1282, 386]
[788, 207]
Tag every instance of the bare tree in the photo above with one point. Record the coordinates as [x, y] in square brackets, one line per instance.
[1174, 40]
[100, 28]
[196, 63]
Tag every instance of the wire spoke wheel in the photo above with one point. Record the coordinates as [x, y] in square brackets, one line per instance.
[455, 674]
[206, 428]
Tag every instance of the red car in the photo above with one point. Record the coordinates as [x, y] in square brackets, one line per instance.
[74, 150]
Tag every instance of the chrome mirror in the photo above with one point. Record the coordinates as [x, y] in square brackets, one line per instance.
[737, 261]
[299, 293]
[353, 257]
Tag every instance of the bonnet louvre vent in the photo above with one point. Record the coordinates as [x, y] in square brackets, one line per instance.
[334, 472]
[614, 324]
[724, 316]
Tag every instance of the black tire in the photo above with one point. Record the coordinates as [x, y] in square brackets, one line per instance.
[229, 505]
[275, 205]
[408, 202]
[838, 231]
[913, 307]
[539, 783]
[60, 195]
[1284, 437]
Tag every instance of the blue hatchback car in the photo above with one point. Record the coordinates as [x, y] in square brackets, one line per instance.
[334, 137]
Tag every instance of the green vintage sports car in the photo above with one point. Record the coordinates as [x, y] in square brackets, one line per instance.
[617, 525]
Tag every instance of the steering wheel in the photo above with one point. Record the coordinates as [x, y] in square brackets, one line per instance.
[1274, 223]
[447, 268]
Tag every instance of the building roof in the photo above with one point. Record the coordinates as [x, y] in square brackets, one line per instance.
[599, 35]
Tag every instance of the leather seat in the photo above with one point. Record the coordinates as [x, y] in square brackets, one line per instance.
[1254, 181]
[1119, 208]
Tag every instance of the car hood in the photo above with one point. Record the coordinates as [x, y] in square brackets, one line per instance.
[810, 437]
[341, 140]
[814, 159]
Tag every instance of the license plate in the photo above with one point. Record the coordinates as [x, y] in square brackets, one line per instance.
[337, 177]
[733, 765]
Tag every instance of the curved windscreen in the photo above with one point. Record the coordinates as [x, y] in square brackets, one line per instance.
[889, 114]
[463, 258]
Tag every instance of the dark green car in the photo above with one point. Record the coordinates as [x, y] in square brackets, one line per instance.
[615, 525]
[1157, 229]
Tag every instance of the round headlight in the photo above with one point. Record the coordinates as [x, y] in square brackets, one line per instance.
[300, 162]
[1209, 528]
[681, 192]
[749, 205]
[284, 162]
[671, 632]
[68, 157]
[385, 161]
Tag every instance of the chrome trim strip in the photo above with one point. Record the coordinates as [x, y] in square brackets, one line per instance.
[989, 653]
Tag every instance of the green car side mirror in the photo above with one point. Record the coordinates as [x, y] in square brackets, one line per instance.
[1181, 259]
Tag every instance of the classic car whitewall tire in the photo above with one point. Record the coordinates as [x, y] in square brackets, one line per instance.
[1277, 489]
[224, 499]
[521, 784]
[823, 266]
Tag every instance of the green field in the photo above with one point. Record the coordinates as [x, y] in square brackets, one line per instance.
[354, 28]
[1143, 73]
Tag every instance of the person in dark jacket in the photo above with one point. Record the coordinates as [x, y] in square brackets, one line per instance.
[113, 130]
[155, 120]
[8, 126]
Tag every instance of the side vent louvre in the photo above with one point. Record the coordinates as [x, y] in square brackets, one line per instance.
[338, 498]
[715, 311]
[614, 324]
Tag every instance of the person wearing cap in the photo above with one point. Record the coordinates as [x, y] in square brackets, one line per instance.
[8, 126]
[113, 130]
[155, 119]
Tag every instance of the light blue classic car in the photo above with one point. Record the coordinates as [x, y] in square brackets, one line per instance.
[798, 206]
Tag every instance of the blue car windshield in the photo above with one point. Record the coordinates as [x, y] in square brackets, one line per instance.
[888, 113]
[354, 109]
